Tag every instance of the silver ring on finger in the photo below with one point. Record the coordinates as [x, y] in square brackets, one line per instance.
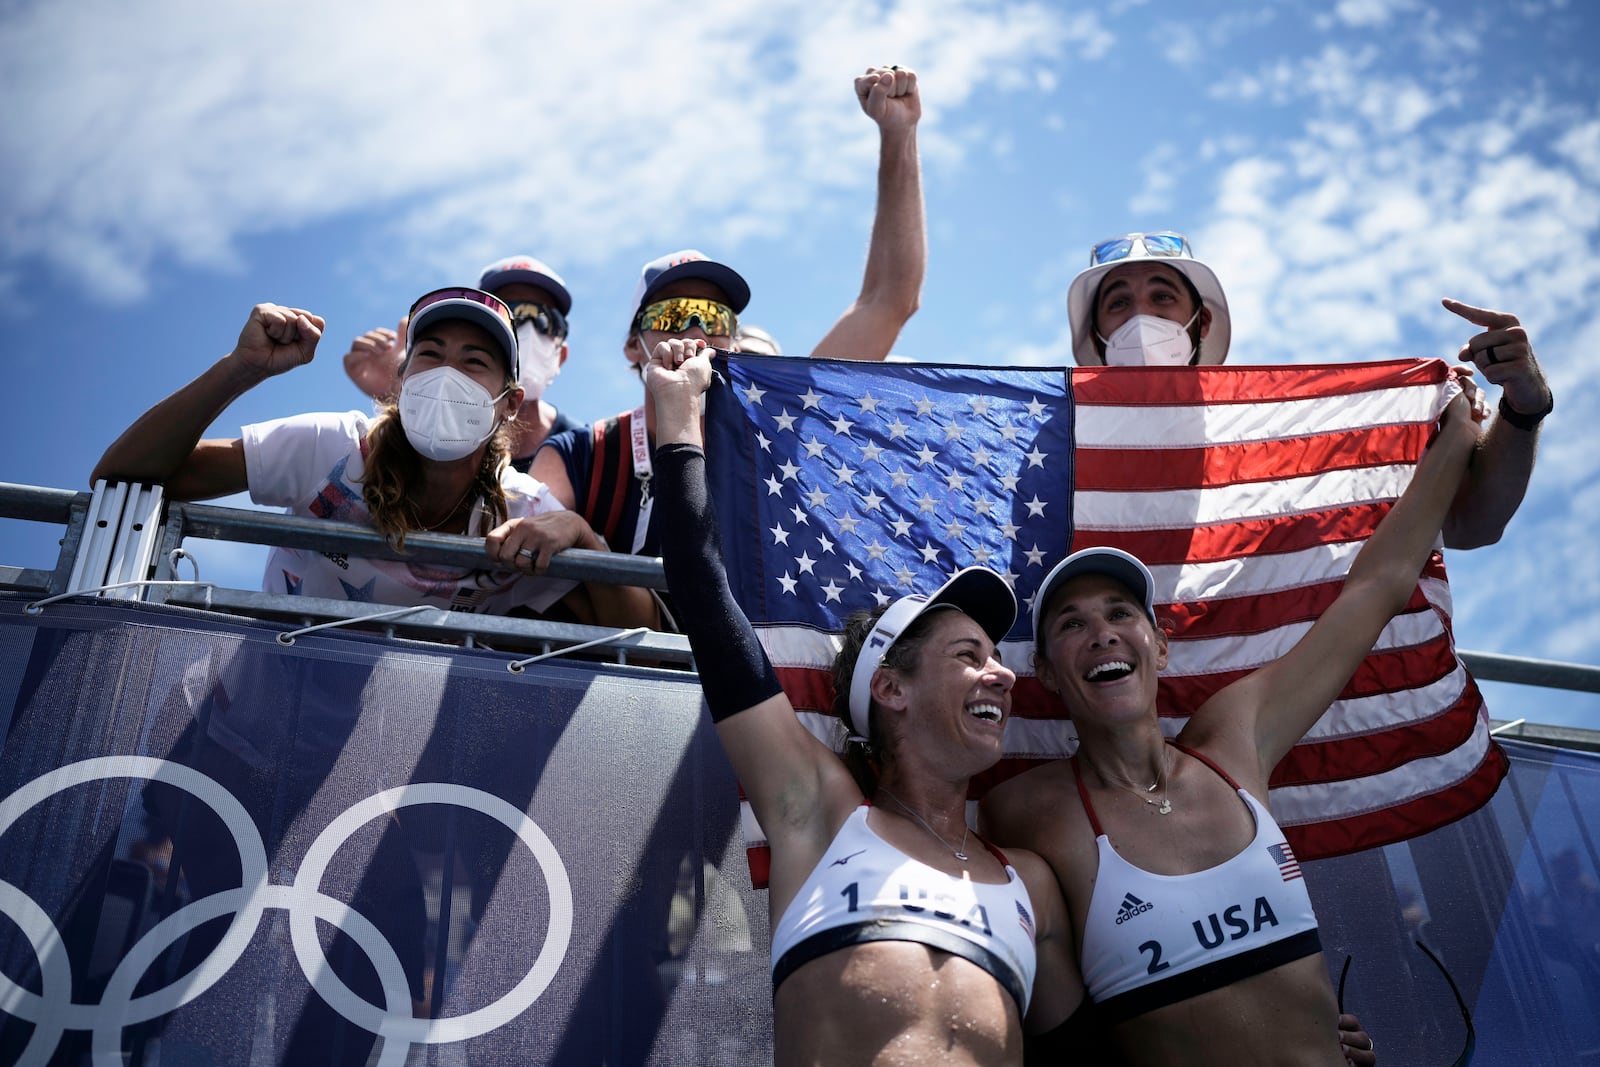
[527, 553]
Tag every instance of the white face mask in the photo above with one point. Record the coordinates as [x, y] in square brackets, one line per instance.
[1150, 341]
[540, 357]
[446, 415]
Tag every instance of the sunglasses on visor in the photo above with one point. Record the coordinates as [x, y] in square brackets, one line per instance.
[679, 313]
[476, 296]
[1164, 244]
[547, 320]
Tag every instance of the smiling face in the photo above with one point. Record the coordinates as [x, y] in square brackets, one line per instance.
[1098, 649]
[950, 705]
[467, 347]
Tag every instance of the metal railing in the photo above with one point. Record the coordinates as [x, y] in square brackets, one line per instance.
[78, 513]
[182, 520]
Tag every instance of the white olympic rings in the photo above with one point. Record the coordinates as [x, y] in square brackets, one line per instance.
[53, 1012]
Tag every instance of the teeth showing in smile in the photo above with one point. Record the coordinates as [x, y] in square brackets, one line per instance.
[1109, 672]
[986, 712]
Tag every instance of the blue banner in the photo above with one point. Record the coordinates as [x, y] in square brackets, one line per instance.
[219, 849]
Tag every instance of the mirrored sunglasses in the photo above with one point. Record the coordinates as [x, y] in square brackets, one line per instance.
[547, 320]
[679, 313]
[476, 296]
[1163, 244]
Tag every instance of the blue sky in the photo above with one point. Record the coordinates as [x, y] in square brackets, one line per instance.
[1341, 165]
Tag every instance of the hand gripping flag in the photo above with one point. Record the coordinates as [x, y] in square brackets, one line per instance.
[1248, 491]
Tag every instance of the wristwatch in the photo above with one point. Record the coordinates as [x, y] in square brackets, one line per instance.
[1526, 422]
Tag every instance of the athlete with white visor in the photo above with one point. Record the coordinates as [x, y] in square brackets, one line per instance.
[899, 936]
[1195, 935]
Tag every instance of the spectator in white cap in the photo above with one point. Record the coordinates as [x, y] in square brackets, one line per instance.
[750, 338]
[1144, 300]
[604, 471]
[539, 303]
[432, 462]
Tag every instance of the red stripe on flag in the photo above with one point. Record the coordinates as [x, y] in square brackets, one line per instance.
[1381, 672]
[759, 857]
[1147, 469]
[1375, 753]
[808, 689]
[1398, 822]
[1269, 536]
[1159, 387]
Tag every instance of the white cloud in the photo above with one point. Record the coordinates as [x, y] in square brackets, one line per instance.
[1369, 13]
[1182, 45]
[168, 131]
[1396, 186]
[1581, 144]
[1160, 168]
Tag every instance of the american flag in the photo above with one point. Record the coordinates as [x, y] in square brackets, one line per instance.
[1247, 490]
[1283, 856]
[1024, 918]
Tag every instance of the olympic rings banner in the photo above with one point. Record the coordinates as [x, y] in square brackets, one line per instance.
[216, 849]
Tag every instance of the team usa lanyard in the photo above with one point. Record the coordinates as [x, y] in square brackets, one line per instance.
[642, 470]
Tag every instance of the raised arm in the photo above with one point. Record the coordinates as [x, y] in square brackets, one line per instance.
[897, 256]
[163, 445]
[1498, 478]
[1281, 701]
[373, 362]
[800, 790]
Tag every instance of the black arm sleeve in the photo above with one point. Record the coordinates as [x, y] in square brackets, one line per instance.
[734, 670]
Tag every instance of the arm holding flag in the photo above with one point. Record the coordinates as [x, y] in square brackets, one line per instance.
[1498, 478]
[1270, 709]
[856, 975]
[799, 789]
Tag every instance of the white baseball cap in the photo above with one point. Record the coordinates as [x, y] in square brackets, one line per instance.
[1112, 562]
[977, 592]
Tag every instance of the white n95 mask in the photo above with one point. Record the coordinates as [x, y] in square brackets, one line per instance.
[445, 414]
[540, 359]
[1150, 341]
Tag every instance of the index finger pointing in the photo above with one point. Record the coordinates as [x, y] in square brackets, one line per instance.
[1494, 320]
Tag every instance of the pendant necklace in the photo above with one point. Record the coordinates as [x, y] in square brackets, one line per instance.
[1143, 792]
[958, 853]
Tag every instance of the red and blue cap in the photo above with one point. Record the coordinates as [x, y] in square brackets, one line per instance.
[689, 263]
[528, 271]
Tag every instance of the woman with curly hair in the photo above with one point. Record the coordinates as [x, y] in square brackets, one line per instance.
[434, 462]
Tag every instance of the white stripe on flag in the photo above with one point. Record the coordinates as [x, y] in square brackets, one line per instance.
[1199, 426]
[1175, 509]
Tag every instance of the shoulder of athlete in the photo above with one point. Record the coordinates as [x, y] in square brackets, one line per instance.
[1011, 813]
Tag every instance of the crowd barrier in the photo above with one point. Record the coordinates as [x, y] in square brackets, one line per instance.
[221, 846]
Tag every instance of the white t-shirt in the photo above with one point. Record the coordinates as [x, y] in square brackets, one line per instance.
[312, 465]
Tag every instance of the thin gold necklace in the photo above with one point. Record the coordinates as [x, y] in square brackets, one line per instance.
[1143, 791]
[422, 528]
[958, 853]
